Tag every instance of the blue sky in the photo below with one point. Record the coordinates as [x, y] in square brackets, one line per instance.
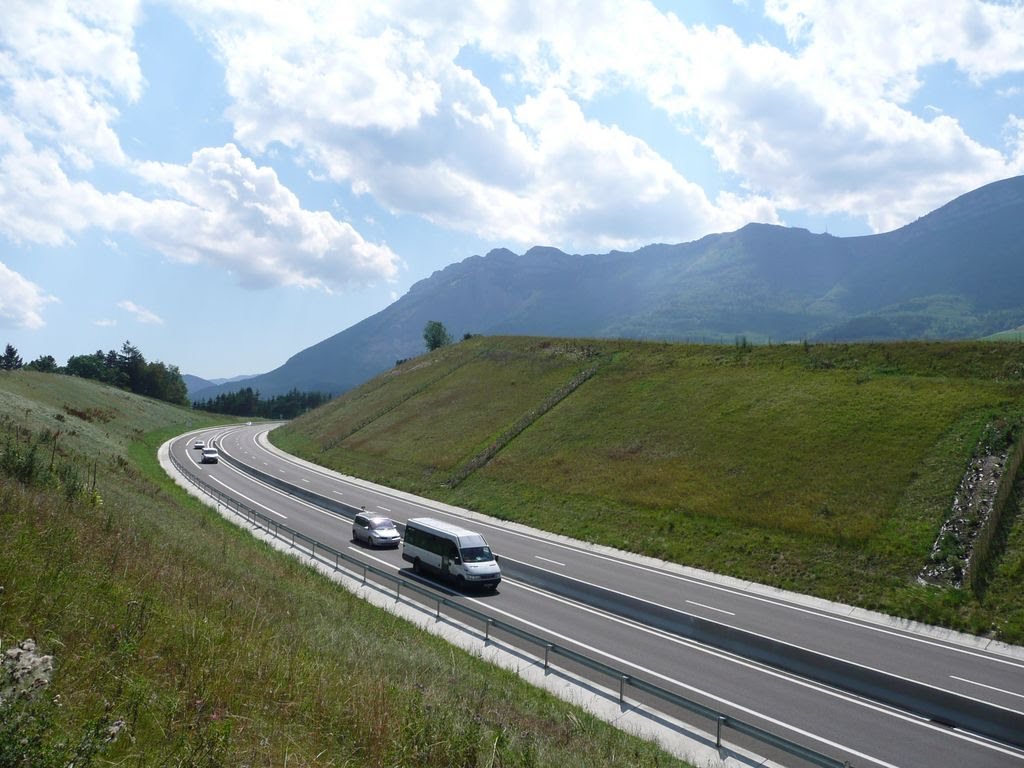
[225, 183]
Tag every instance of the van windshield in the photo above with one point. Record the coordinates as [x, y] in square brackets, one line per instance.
[476, 555]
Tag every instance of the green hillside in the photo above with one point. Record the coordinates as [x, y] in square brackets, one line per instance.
[177, 639]
[826, 469]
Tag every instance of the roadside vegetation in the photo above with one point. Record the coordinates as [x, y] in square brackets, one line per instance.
[247, 402]
[125, 369]
[822, 468]
[177, 639]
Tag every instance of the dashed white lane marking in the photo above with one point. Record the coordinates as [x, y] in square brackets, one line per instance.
[710, 608]
[547, 560]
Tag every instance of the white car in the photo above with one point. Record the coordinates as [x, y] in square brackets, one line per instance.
[199, 445]
[375, 530]
[210, 456]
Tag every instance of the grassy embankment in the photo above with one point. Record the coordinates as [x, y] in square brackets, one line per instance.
[826, 469]
[209, 648]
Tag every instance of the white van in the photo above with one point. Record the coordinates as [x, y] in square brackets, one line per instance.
[446, 550]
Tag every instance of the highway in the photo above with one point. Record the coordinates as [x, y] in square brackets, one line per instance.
[681, 630]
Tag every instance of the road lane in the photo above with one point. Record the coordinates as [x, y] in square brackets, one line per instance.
[908, 654]
[798, 706]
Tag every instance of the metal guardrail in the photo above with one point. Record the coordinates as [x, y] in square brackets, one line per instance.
[325, 552]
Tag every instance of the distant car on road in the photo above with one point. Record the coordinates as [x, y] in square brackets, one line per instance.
[210, 456]
[375, 530]
[199, 445]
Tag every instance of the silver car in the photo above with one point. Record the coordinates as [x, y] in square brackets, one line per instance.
[375, 530]
[210, 456]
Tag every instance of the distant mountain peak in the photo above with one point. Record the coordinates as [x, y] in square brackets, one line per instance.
[955, 273]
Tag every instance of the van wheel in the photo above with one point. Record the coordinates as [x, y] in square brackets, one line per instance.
[416, 567]
[460, 584]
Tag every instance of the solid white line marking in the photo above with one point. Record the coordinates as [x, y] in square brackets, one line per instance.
[938, 729]
[691, 688]
[823, 654]
[547, 560]
[688, 579]
[956, 733]
[710, 607]
[990, 687]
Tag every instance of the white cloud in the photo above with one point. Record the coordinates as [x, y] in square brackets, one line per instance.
[372, 94]
[234, 214]
[21, 301]
[105, 323]
[39, 202]
[64, 63]
[598, 184]
[141, 314]
[822, 127]
[881, 48]
[62, 68]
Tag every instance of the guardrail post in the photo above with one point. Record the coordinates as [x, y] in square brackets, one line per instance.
[437, 616]
[718, 731]
[336, 556]
[487, 631]
[364, 575]
[398, 590]
[547, 651]
[623, 679]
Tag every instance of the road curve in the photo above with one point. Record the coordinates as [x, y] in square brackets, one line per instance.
[848, 727]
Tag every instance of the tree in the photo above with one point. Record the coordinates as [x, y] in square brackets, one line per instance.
[43, 364]
[11, 360]
[131, 365]
[129, 370]
[87, 366]
[436, 335]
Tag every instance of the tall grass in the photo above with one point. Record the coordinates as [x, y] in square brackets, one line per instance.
[199, 646]
[822, 468]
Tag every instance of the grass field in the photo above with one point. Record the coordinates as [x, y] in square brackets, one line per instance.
[200, 646]
[826, 469]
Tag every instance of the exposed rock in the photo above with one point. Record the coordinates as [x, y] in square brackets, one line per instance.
[972, 506]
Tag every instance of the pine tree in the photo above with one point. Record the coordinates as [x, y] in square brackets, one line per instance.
[11, 360]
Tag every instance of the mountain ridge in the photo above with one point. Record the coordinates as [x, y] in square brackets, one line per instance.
[954, 273]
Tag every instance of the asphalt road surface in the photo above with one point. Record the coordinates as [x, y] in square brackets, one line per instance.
[641, 637]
